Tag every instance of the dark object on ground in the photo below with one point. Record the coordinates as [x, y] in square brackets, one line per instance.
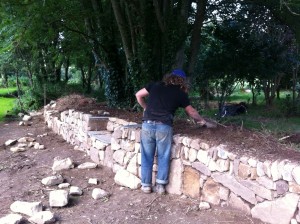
[233, 109]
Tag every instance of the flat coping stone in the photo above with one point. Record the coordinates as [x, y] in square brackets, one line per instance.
[102, 136]
[135, 126]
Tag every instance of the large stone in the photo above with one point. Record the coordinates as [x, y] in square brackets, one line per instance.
[27, 208]
[191, 182]
[99, 193]
[294, 188]
[266, 182]
[94, 155]
[203, 157]
[133, 166]
[210, 192]
[43, 217]
[10, 142]
[126, 179]
[192, 155]
[258, 189]
[62, 164]
[287, 171]
[119, 156]
[277, 211]
[52, 180]
[260, 169]
[244, 171]
[296, 174]
[231, 183]
[281, 187]
[175, 177]
[275, 172]
[237, 203]
[87, 165]
[108, 157]
[12, 219]
[202, 168]
[58, 198]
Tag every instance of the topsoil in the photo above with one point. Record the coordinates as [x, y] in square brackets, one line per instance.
[21, 173]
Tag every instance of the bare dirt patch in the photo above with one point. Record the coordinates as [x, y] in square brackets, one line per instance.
[21, 174]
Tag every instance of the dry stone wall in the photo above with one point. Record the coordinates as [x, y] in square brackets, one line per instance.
[267, 190]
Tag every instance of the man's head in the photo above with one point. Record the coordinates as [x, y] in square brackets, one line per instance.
[179, 72]
[176, 77]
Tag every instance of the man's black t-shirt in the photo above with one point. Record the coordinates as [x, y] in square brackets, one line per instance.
[163, 101]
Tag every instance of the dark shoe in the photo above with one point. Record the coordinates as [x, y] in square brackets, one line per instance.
[160, 189]
[146, 189]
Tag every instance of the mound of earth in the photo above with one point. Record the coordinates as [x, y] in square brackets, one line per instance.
[240, 140]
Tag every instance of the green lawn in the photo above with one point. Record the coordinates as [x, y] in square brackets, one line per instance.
[4, 91]
[6, 104]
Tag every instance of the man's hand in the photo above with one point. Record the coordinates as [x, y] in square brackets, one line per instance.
[201, 122]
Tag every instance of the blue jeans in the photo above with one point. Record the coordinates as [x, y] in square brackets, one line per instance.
[156, 136]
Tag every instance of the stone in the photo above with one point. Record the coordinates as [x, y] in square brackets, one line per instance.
[126, 179]
[87, 165]
[58, 198]
[204, 146]
[224, 193]
[108, 157]
[296, 174]
[10, 142]
[252, 162]
[230, 182]
[191, 183]
[43, 217]
[266, 182]
[281, 187]
[275, 172]
[222, 153]
[294, 188]
[175, 177]
[267, 168]
[75, 191]
[26, 118]
[99, 193]
[204, 205]
[203, 157]
[202, 168]
[244, 171]
[176, 150]
[287, 171]
[237, 203]
[195, 144]
[278, 211]
[192, 155]
[62, 164]
[94, 155]
[210, 192]
[26, 208]
[17, 149]
[52, 180]
[222, 165]
[63, 185]
[93, 181]
[258, 189]
[133, 166]
[260, 169]
[118, 156]
[12, 219]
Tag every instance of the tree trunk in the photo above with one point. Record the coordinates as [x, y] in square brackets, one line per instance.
[196, 36]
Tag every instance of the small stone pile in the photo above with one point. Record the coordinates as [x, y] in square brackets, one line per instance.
[22, 144]
[33, 211]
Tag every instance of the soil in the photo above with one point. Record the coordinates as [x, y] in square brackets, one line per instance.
[21, 174]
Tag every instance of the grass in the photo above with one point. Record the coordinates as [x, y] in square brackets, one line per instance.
[259, 117]
[4, 91]
[6, 104]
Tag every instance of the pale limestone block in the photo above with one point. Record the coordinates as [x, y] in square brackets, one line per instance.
[12, 219]
[186, 152]
[101, 155]
[213, 153]
[203, 157]
[118, 156]
[195, 144]
[127, 145]
[252, 162]
[202, 168]
[238, 203]
[133, 165]
[222, 152]
[287, 171]
[26, 208]
[267, 168]
[137, 147]
[294, 188]
[127, 157]
[110, 125]
[116, 167]
[115, 144]
[222, 165]
[260, 169]
[204, 146]
[139, 157]
[186, 141]
[296, 174]
[177, 139]
[276, 174]
[175, 151]
[125, 133]
[232, 156]
[212, 165]
[258, 189]
[266, 182]
[192, 154]
[224, 193]
[127, 179]
[244, 159]
[58, 198]
[175, 177]
[232, 184]
[278, 211]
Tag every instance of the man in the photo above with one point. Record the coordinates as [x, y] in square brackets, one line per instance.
[163, 99]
